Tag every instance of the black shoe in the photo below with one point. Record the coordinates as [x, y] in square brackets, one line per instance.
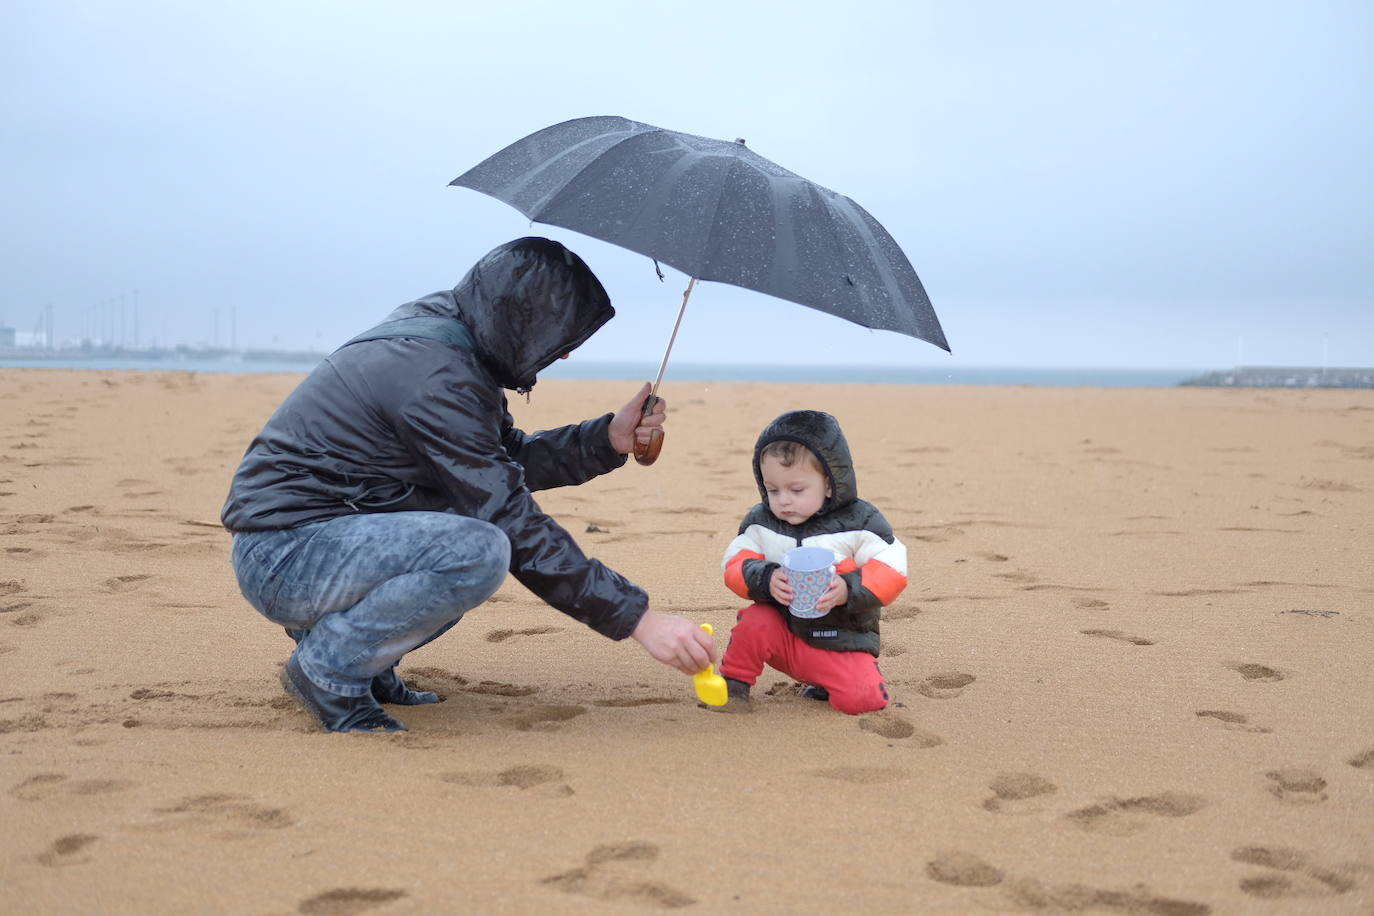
[812, 692]
[737, 698]
[336, 713]
[388, 687]
[737, 691]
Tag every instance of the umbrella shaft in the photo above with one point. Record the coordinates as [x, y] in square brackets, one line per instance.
[648, 404]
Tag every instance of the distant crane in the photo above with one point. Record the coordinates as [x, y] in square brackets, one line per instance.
[43, 327]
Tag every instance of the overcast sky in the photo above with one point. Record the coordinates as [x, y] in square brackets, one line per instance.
[1148, 184]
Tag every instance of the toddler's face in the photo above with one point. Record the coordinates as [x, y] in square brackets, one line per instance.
[796, 493]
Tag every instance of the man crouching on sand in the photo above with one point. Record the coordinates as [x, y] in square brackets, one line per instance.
[390, 492]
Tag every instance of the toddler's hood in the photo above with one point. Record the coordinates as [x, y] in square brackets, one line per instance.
[821, 433]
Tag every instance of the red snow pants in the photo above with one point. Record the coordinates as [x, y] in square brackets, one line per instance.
[760, 637]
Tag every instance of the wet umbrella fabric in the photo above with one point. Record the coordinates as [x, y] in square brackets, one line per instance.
[714, 210]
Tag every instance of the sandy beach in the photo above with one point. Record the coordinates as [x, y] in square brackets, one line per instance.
[1133, 673]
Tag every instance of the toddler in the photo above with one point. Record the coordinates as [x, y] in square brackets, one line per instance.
[809, 498]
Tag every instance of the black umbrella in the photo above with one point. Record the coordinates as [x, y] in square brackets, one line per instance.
[715, 210]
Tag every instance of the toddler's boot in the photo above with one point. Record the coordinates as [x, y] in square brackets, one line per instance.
[738, 700]
[814, 692]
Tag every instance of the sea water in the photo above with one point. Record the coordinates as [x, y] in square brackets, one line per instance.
[1105, 377]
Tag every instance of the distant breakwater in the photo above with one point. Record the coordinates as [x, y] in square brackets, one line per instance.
[157, 354]
[1283, 377]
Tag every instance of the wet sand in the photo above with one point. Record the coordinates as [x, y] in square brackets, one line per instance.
[1133, 673]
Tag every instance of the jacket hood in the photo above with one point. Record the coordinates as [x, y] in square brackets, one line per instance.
[527, 303]
[821, 433]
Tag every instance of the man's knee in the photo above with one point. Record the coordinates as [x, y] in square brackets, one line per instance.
[477, 562]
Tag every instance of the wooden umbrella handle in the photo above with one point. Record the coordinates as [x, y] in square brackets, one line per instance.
[646, 453]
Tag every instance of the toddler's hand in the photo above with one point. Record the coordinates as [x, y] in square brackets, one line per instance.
[780, 588]
[836, 595]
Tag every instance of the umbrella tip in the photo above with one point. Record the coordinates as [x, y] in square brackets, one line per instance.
[739, 140]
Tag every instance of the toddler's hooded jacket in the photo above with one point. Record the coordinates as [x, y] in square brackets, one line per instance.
[868, 555]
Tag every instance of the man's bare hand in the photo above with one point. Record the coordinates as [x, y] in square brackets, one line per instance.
[630, 424]
[675, 641]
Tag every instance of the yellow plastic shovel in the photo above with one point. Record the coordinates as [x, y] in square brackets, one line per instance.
[710, 686]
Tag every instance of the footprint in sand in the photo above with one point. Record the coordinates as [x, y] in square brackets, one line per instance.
[124, 583]
[620, 702]
[144, 694]
[547, 778]
[1292, 874]
[890, 725]
[183, 467]
[1019, 577]
[67, 850]
[1036, 896]
[962, 869]
[25, 723]
[615, 872]
[1296, 786]
[1253, 672]
[1013, 793]
[49, 785]
[1234, 721]
[1119, 637]
[444, 678]
[142, 494]
[1329, 486]
[503, 635]
[25, 618]
[223, 815]
[544, 718]
[1125, 816]
[945, 686]
[348, 901]
[496, 688]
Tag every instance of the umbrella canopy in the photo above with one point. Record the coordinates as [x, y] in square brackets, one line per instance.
[715, 210]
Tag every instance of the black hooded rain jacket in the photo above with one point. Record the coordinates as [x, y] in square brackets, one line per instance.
[406, 424]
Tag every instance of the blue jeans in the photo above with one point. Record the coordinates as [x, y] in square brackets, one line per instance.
[370, 587]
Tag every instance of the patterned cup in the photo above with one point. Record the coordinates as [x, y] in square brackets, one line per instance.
[810, 571]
